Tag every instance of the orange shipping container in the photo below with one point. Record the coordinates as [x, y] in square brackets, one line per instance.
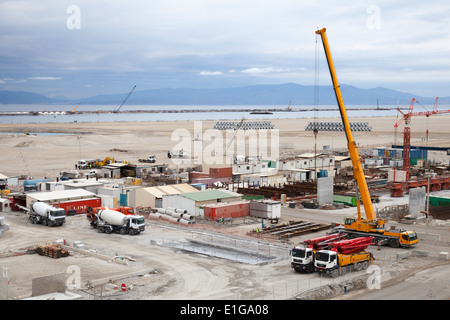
[220, 172]
[226, 210]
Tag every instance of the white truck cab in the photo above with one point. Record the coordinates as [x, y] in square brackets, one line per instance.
[326, 260]
[302, 259]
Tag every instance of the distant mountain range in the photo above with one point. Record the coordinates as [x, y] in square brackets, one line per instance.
[250, 95]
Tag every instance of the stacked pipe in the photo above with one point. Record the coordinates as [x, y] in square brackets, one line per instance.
[337, 126]
[174, 215]
[246, 125]
[324, 243]
[352, 245]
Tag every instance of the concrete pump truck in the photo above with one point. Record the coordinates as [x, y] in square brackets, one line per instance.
[371, 226]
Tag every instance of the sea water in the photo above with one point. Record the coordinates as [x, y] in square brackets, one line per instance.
[176, 113]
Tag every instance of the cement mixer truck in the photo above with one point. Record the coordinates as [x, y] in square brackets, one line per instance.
[41, 212]
[108, 221]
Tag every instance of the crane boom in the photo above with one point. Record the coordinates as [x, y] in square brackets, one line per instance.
[352, 147]
[117, 110]
[419, 113]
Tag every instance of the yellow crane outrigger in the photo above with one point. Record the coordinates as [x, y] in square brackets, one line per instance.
[371, 226]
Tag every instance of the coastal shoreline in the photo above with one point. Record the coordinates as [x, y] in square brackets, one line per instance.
[40, 156]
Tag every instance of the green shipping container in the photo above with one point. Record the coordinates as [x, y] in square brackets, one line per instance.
[351, 201]
[439, 201]
[248, 197]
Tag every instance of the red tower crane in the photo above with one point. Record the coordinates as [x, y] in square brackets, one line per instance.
[407, 131]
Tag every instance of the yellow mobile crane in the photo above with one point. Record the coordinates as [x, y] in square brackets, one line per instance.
[371, 226]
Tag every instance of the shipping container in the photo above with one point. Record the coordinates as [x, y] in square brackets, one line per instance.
[348, 200]
[197, 175]
[267, 209]
[440, 201]
[226, 210]
[419, 154]
[224, 172]
[80, 206]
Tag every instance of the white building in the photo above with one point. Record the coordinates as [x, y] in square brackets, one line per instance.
[152, 196]
[264, 179]
[301, 167]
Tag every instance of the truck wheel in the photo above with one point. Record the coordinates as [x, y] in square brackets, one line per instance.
[101, 229]
[394, 243]
[334, 273]
[122, 231]
[364, 265]
[44, 222]
[131, 232]
[358, 266]
[376, 241]
[108, 230]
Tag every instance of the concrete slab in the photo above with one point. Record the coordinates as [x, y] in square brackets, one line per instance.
[48, 284]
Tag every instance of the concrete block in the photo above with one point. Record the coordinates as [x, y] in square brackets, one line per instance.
[48, 284]
[4, 283]
[417, 199]
[443, 255]
[325, 190]
[59, 241]
[3, 226]
[420, 253]
[78, 245]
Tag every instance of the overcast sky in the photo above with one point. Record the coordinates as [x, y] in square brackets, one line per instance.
[81, 48]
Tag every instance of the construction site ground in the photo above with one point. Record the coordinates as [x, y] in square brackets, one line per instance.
[152, 269]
